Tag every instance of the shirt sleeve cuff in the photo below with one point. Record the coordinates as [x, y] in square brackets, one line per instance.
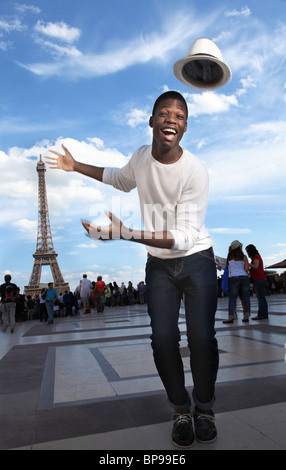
[181, 242]
[106, 175]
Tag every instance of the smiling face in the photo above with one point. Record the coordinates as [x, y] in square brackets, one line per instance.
[169, 123]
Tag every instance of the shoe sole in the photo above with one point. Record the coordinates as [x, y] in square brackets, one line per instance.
[180, 446]
[207, 442]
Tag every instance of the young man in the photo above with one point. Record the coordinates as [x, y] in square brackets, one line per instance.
[51, 297]
[173, 189]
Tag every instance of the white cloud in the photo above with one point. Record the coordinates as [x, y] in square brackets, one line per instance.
[93, 151]
[247, 83]
[249, 198]
[59, 50]
[276, 129]
[259, 54]
[59, 31]
[244, 12]
[28, 228]
[22, 8]
[154, 46]
[230, 231]
[99, 143]
[201, 144]
[13, 25]
[17, 189]
[223, 37]
[209, 103]
[5, 45]
[21, 189]
[87, 245]
[67, 194]
[137, 117]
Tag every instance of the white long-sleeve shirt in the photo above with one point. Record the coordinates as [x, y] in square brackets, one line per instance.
[173, 197]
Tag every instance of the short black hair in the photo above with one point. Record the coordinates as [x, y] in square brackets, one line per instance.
[170, 94]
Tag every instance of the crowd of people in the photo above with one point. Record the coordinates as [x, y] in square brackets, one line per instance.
[241, 279]
[89, 295]
[98, 294]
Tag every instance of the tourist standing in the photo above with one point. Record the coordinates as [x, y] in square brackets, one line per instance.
[51, 297]
[8, 292]
[84, 292]
[260, 281]
[238, 279]
[43, 309]
[100, 290]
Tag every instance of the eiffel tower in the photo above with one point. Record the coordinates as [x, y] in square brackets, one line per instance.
[45, 254]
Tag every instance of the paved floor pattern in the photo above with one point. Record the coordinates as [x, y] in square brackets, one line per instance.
[89, 383]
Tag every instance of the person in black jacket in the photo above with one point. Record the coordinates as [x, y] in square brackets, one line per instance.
[8, 292]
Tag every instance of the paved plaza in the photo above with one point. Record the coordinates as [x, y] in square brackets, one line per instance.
[89, 383]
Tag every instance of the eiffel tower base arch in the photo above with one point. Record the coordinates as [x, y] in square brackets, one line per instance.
[34, 288]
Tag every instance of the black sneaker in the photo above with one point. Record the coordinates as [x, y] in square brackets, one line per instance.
[205, 426]
[183, 434]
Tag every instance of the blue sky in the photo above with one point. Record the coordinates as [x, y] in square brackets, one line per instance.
[86, 73]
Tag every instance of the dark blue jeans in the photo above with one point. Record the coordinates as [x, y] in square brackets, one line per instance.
[260, 294]
[167, 281]
[239, 285]
[50, 309]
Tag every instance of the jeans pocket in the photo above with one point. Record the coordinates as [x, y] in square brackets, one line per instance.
[207, 254]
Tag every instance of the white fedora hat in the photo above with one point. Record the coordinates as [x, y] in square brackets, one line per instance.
[203, 67]
[235, 244]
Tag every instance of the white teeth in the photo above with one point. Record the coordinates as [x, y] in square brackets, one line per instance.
[170, 130]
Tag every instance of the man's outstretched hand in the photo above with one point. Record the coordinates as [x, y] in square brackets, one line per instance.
[112, 232]
[64, 162]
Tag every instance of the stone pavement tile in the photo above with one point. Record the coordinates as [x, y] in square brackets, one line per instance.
[53, 383]
[236, 431]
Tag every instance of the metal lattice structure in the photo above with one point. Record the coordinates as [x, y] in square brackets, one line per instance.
[45, 254]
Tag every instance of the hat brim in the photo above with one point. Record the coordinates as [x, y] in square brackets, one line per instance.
[202, 72]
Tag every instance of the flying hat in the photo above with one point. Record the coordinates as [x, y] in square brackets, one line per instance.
[235, 244]
[203, 67]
